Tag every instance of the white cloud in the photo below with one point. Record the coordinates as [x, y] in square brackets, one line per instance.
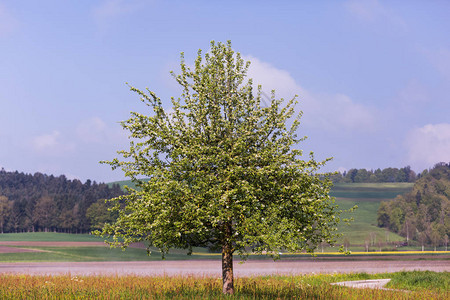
[92, 130]
[428, 145]
[51, 144]
[373, 11]
[7, 22]
[335, 112]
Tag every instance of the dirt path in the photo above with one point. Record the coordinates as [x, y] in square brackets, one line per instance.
[213, 268]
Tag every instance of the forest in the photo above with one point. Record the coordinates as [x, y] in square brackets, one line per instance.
[39, 202]
[423, 214]
[372, 176]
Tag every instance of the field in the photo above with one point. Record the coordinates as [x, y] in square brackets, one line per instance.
[432, 286]
[363, 230]
[69, 258]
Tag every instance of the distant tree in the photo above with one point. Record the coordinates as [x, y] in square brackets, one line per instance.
[44, 213]
[362, 176]
[222, 170]
[425, 209]
[98, 215]
[5, 210]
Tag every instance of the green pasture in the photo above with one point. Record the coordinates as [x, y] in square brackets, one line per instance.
[367, 196]
[48, 237]
[95, 253]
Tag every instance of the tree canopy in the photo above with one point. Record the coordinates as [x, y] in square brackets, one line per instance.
[423, 214]
[221, 169]
[41, 202]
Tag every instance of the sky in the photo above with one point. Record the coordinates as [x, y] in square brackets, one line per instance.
[372, 76]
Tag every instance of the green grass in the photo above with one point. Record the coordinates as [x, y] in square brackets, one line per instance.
[188, 287]
[420, 280]
[367, 196]
[48, 237]
[92, 254]
[370, 190]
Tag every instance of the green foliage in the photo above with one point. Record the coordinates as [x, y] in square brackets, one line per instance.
[98, 214]
[386, 175]
[221, 168]
[422, 214]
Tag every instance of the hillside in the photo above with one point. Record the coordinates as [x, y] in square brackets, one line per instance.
[422, 214]
[363, 232]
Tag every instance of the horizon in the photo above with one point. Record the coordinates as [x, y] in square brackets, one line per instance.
[373, 77]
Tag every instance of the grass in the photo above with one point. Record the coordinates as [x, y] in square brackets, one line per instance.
[370, 190]
[267, 287]
[96, 253]
[421, 280]
[367, 196]
[48, 237]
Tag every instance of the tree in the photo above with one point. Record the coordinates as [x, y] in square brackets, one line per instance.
[5, 209]
[222, 172]
[98, 214]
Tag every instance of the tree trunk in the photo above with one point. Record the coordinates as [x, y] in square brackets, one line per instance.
[227, 263]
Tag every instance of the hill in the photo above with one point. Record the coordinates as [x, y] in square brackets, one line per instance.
[422, 214]
[363, 232]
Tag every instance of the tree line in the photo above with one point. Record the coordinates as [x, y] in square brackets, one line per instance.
[423, 214]
[386, 175]
[39, 202]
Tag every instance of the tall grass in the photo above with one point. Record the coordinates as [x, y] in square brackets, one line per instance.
[134, 287]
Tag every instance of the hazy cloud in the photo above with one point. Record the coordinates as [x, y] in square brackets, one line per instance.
[428, 145]
[51, 144]
[373, 11]
[7, 22]
[412, 97]
[441, 60]
[332, 112]
[92, 130]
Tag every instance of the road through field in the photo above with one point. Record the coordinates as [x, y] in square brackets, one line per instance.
[213, 267]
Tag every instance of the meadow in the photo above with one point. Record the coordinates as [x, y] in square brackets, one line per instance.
[364, 230]
[403, 285]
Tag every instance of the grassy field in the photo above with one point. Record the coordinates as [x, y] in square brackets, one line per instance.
[100, 252]
[367, 196]
[408, 285]
[48, 237]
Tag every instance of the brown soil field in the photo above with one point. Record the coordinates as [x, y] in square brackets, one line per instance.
[213, 267]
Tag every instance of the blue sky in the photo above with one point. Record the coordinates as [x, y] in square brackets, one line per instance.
[373, 77]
